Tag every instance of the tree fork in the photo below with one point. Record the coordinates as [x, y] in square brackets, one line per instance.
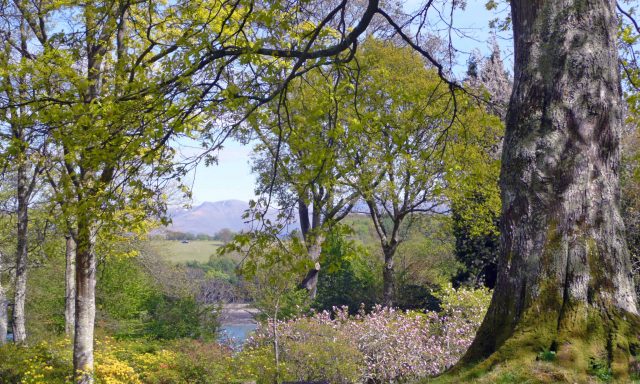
[564, 276]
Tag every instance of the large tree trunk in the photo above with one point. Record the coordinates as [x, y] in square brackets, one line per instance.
[70, 286]
[564, 280]
[85, 302]
[20, 294]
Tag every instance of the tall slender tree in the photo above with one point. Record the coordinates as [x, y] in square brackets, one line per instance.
[106, 142]
[23, 139]
[412, 138]
[299, 159]
[397, 123]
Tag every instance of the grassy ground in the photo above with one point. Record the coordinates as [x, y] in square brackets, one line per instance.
[177, 252]
[532, 373]
[527, 371]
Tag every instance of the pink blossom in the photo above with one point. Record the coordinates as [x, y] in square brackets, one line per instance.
[396, 345]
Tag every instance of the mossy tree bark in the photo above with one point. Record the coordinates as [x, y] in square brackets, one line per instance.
[564, 280]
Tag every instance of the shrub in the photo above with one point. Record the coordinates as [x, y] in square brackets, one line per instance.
[42, 363]
[346, 278]
[192, 361]
[121, 362]
[174, 318]
[313, 351]
[385, 345]
[255, 363]
[382, 346]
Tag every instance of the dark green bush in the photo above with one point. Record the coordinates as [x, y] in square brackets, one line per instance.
[181, 317]
[346, 278]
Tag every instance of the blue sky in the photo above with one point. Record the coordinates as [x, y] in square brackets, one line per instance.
[231, 178]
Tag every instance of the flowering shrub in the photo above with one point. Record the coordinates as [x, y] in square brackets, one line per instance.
[120, 362]
[254, 364]
[110, 370]
[40, 363]
[385, 345]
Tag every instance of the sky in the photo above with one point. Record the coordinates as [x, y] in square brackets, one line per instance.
[231, 178]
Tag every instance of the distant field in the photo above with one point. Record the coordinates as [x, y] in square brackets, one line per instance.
[179, 253]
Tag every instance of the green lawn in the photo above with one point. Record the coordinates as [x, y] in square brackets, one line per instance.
[177, 252]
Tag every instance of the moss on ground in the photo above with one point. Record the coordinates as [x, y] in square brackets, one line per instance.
[587, 346]
[519, 371]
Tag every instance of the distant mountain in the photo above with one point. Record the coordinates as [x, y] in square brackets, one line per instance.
[210, 217]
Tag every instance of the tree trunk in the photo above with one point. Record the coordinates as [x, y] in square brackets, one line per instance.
[388, 279]
[85, 303]
[564, 276]
[70, 287]
[310, 282]
[314, 241]
[4, 313]
[19, 328]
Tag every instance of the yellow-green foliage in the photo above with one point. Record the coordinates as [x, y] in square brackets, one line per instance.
[177, 362]
[470, 302]
[323, 354]
[255, 364]
[319, 353]
[40, 363]
[118, 362]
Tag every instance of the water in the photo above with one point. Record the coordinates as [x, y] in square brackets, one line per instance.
[236, 334]
[237, 323]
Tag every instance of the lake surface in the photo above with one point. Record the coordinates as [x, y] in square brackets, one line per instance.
[237, 323]
[236, 334]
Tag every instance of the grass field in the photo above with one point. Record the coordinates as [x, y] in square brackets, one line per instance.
[179, 253]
